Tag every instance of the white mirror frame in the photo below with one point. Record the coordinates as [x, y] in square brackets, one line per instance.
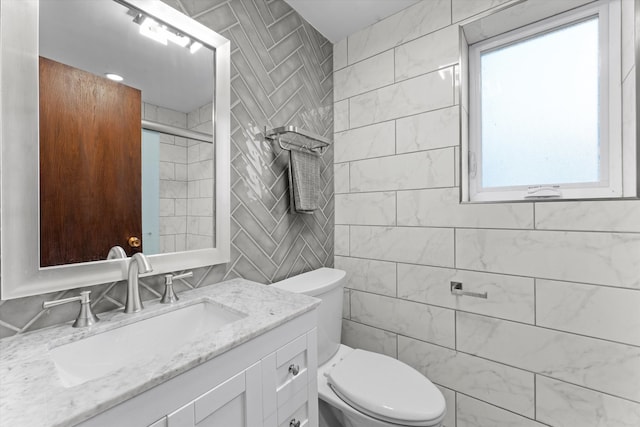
[21, 274]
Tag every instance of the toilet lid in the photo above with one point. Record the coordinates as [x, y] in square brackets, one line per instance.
[387, 389]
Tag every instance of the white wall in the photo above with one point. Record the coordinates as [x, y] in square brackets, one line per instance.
[557, 342]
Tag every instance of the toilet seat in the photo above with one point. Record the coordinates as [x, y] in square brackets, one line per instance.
[386, 389]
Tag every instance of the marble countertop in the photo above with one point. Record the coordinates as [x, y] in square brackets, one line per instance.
[31, 393]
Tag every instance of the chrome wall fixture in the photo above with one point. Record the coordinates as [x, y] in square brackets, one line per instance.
[292, 137]
[456, 289]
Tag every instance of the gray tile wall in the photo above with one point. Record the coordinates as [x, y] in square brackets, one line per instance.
[281, 74]
[557, 342]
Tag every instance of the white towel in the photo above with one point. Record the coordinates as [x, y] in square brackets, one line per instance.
[304, 181]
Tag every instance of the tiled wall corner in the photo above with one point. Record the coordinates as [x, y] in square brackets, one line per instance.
[556, 341]
[281, 74]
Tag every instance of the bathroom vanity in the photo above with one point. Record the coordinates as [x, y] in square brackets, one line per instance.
[233, 354]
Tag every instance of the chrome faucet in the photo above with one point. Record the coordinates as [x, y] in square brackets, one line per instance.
[138, 264]
[85, 316]
[116, 252]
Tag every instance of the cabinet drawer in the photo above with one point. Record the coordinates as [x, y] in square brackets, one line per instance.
[300, 415]
[291, 370]
[296, 408]
[291, 355]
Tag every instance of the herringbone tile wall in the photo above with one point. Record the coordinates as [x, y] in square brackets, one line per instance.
[281, 72]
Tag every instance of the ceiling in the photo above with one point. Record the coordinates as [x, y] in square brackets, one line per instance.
[337, 19]
[100, 37]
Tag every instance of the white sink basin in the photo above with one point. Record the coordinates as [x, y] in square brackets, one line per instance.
[155, 338]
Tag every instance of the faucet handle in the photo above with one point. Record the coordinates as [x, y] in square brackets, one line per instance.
[170, 296]
[85, 316]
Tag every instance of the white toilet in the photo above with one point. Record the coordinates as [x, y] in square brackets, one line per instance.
[359, 388]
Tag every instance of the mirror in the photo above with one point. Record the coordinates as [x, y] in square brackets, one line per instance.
[93, 127]
[185, 125]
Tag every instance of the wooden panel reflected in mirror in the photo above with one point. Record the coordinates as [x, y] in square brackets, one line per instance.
[90, 136]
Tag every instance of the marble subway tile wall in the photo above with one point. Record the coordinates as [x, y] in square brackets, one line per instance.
[173, 173]
[281, 74]
[200, 231]
[557, 341]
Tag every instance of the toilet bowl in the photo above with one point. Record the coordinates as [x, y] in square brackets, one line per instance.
[359, 388]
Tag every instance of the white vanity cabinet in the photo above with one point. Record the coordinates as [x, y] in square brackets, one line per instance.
[268, 381]
[234, 403]
[290, 390]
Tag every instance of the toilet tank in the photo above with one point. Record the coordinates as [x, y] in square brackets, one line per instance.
[326, 284]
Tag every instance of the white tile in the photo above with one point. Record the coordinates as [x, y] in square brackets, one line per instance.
[629, 132]
[341, 240]
[368, 275]
[509, 297]
[341, 177]
[628, 34]
[599, 258]
[562, 404]
[365, 142]
[171, 117]
[167, 207]
[173, 153]
[475, 413]
[181, 243]
[200, 170]
[200, 207]
[341, 115]
[165, 138]
[180, 206]
[429, 246]
[167, 170]
[181, 172]
[173, 225]
[417, 95]
[193, 188]
[426, 131]
[372, 73]
[600, 365]
[441, 207]
[431, 52]
[604, 215]
[340, 54]
[173, 189]
[424, 169]
[357, 335]
[498, 384]
[421, 321]
[450, 400]
[456, 84]
[456, 162]
[346, 304]
[206, 188]
[205, 151]
[597, 311]
[167, 243]
[366, 208]
[415, 21]
[195, 242]
[462, 9]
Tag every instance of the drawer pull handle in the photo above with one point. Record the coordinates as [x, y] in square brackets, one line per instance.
[294, 369]
[294, 423]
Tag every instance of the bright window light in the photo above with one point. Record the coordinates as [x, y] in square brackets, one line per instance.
[540, 109]
[544, 117]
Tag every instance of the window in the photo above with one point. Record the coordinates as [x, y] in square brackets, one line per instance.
[544, 110]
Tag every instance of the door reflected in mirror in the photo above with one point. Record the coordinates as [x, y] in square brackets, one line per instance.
[104, 180]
